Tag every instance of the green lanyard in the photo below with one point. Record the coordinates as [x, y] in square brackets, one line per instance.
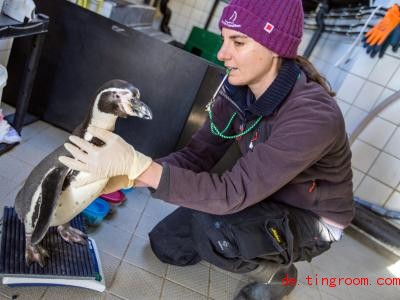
[216, 131]
[213, 127]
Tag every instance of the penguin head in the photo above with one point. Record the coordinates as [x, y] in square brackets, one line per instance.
[120, 98]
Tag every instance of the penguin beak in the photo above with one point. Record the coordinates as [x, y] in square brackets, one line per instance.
[134, 107]
[140, 109]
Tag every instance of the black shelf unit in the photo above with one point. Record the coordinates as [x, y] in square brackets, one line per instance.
[36, 29]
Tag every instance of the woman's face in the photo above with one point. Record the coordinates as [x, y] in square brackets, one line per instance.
[250, 62]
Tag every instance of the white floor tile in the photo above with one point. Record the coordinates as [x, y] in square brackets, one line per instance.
[195, 277]
[140, 254]
[224, 287]
[22, 293]
[136, 199]
[174, 291]
[14, 169]
[134, 283]
[123, 218]
[158, 209]
[110, 265]
[110, 296]
[68, 293]
[28, 154]
[33, 129]
[237, 276]
[305, 292]
[146, 224]
[110, 239]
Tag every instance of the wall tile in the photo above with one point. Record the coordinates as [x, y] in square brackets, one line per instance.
[393, 146]
[362, 64]
[392, 112]
[344, 106]
[357, 178]
[394, 83]
[394, 202]
[378, 132]
[350, 88]
[373, 191]
[384, 69]
[387, 169]
[363, 156]
[368, 95]
[353, 117]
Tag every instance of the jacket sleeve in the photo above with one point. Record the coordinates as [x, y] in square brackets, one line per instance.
[204, 149]
[300, 138]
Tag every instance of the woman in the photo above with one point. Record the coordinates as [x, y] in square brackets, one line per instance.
[287, 198]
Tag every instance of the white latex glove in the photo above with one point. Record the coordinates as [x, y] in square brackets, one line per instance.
[116, 157]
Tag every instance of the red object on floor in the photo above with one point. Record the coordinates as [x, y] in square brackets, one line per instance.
[114, 198]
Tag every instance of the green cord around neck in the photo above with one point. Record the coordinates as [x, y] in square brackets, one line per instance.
[216, 131]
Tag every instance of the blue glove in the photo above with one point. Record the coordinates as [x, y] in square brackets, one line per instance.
[393, 40]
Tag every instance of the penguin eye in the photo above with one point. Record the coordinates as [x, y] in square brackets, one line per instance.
[117, 96]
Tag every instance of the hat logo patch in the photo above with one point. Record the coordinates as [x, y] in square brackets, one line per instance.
[231, 21]
[269, 27]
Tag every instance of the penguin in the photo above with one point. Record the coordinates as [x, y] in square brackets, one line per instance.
[48, 197]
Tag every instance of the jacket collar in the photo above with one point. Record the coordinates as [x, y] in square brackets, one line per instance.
[271, 99]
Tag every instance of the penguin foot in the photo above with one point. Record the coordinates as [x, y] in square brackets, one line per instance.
[71, 234]
[36, 253]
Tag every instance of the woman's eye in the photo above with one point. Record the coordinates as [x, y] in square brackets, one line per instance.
[238, 43]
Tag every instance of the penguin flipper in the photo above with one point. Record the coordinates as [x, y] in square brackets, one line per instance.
[51, 189]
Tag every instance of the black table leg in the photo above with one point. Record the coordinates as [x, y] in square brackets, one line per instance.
[27, 82]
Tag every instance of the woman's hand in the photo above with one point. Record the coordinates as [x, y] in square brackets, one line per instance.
[115, 158]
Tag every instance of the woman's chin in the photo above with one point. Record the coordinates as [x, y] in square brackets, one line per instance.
[235, 81]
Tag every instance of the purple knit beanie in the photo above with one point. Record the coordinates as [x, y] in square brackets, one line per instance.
[276, 24]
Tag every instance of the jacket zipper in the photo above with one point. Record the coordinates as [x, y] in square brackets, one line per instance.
[313, 186]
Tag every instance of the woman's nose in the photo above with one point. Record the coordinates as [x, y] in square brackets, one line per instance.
[223, 53]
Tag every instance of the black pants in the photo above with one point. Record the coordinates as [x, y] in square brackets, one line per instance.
[238, 242]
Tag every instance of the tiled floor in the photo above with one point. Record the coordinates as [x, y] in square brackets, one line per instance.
[133, 272]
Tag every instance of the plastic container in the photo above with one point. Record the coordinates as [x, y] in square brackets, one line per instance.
[96, 212]
[205, 44]
[115, 198]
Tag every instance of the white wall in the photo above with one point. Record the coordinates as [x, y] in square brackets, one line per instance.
[189, 13]
[361, 84]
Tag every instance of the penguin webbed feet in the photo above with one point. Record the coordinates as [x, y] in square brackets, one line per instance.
[72, 235]
[36, 253]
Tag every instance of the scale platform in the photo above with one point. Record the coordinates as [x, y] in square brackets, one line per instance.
[73, 265]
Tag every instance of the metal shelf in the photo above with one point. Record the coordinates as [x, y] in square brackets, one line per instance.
[10, 28]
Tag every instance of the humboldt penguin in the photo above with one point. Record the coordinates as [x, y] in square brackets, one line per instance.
[49, 197]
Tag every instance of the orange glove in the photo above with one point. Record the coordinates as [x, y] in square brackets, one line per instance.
[379, 33]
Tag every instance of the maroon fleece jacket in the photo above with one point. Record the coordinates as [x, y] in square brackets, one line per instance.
[299, 155]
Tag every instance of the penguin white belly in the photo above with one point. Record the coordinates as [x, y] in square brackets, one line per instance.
[74, 200]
